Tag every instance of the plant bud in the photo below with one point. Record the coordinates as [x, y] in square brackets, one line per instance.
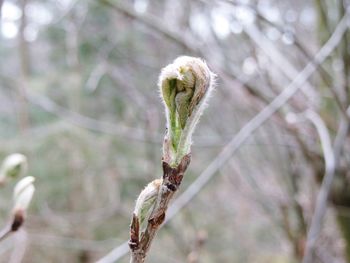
[184, 85]
[14, 165]
[23, 193]
[147, 199]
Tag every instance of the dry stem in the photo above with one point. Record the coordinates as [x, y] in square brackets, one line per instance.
[140, 244]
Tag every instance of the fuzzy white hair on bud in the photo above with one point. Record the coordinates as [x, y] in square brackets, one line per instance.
[185, 86]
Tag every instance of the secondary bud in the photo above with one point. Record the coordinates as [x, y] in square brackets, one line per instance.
[23, 193]
[146, 200]
[14, 165]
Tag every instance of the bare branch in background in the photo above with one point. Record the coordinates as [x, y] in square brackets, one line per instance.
[24, 68]
[152, 23]
[321, 203]
[1, 3]
[331, 156]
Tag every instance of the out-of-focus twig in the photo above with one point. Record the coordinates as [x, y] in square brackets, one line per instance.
[152, 23]
[23, 52]
[280, 60]
[115, 254]
[49, 240]
[331, 156]
[5, 232]
[321, 203]
[84, 121]
[282, 63]
[1, 3]
[20, 246]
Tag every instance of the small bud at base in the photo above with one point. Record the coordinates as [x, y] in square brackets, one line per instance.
[147, 199]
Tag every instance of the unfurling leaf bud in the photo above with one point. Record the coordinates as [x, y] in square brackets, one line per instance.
[14, 165]
[23, 193]
[146, 200]
[184, 85]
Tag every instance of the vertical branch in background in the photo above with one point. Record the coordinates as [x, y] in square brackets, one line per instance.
[339, 194]
[297, 235]
[24, 68]
[322, 197]
[323, 25]
[185, 86]
[345, 54]
[1, 3]
[73, 61]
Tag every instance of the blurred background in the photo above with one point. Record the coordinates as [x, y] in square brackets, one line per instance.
[79, 97]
